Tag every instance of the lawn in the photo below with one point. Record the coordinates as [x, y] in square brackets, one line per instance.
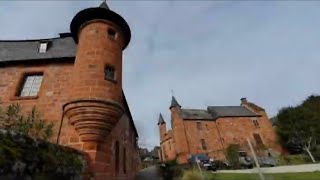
[279, 176]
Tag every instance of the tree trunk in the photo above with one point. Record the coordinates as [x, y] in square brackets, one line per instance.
[308, 151]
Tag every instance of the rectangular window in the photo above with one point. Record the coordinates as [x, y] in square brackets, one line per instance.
[31, 85]
[124, 161]
[199, 125]
[256, 123]
[203, 144]
[109, 73]
[258, 139]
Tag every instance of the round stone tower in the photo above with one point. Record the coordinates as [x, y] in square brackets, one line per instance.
[96, 88]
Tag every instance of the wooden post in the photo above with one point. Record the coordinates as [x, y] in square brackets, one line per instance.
[255, 160]
[198, 161]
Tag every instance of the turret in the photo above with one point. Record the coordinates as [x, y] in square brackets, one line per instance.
[162, 127]
[174, 103]
[178, 129]
[96, 88]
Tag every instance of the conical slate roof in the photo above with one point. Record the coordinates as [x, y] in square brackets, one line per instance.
[174, 103]
[104, 5]
[102, 12]
[161, 120]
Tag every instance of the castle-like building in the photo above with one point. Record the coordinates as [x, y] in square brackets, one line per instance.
[75, 81]
[211, 131]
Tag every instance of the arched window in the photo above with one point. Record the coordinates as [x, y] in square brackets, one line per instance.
[117, 157]
[124, 161]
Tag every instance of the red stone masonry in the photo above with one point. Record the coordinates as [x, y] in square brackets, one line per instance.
[217, 135]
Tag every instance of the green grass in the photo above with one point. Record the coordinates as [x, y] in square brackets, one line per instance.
[279, 176]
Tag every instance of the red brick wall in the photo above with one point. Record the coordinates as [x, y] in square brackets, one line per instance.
[51, 97]
[179, 136]
[168, 147]
[162, 131]
[104, 153]
[209, 133]
[219, 134]
[53, 91]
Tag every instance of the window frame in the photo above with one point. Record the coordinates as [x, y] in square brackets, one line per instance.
[19, 86]
[113, 79]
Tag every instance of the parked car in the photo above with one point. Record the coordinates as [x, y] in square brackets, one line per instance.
[246, 161]
[204, 161]
[220, 165]
[268, 161]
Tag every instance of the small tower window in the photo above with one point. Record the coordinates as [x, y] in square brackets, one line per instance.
[112, 33]
[43, 46]
[109, 73]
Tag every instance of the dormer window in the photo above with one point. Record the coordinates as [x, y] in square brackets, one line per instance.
[43, 46]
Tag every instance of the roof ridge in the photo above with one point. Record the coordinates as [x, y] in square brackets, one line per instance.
[224, 106]
[31, 40]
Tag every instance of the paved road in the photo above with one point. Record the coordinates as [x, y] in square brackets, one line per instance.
[149, 173]
[279, 169]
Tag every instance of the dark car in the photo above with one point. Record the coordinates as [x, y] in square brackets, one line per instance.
[204, 161]
[220, 165]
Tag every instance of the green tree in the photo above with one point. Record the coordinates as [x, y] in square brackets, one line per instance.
[233, 155]
[300, 125]
[32, 124]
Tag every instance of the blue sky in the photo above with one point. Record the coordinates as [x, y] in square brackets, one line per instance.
[207, 52]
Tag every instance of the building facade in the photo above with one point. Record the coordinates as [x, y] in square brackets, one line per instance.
[211, 131]
[75, 81]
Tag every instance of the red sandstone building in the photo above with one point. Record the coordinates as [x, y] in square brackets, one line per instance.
[211, 131]
[75, 81]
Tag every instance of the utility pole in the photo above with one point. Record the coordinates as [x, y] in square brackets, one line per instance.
[255, 160]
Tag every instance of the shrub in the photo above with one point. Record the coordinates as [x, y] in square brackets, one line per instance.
[194, 174]
[191, 174]
[233, 155]
[36, 157]
[293, 159]
[31, 125]
[171, 163]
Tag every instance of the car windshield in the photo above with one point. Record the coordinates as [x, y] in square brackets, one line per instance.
[202, 157]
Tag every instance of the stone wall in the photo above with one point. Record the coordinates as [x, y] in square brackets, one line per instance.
[190, 135]
[54, 93]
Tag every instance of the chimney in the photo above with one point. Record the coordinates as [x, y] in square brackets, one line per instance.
[243, 100]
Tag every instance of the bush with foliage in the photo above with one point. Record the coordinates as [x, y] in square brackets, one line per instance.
[23, 155]
[195, 174]
[32, 124]
[293, 159]
[24, 151]
[233, 155]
